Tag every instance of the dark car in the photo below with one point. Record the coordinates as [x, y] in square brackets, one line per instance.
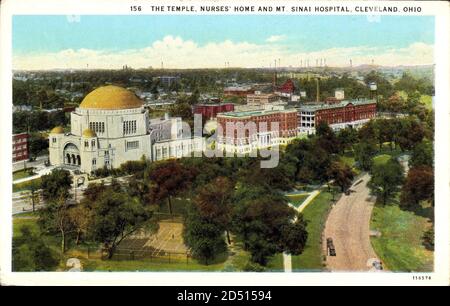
[330, 247]
[377, 265]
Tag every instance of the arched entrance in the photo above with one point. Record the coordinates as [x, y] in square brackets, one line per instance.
[71, 155]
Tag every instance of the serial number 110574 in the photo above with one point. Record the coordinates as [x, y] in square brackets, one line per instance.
[421, 277]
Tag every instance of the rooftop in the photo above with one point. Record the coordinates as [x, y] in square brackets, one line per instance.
[261, 112]
[111, 97]
[314, 107]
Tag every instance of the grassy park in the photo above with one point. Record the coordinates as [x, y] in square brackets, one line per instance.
[27, 185]
[400, 244]
[24, 173]
[297, 199]
[236, 262]
[315, 214]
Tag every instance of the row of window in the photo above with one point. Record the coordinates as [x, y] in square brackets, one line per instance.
[20, 154]
[129, 127]
[20, 140]
[132, 145]
[98, 127]
[86, 143]
[172, 151]
[23, 147]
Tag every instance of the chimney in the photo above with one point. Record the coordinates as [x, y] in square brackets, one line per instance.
[317, 91]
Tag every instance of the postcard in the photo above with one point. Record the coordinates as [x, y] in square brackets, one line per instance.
[225, 143]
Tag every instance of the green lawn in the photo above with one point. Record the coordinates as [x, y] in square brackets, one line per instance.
[348, 160]
[381, 159]
[94, 264]
[276, 263]
[177, 265]
[19, 222]
[427, 101]
[315, 214]
[297, 199]
[400, 244]
[22, 174]
[424, 99]
[27, 185]
[239, 258]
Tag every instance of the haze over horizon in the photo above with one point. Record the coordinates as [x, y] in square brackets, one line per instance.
[238, 41]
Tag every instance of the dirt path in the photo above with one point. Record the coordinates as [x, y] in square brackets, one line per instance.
[348, 225]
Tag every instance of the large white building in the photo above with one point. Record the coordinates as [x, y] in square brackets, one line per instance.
[110, 127]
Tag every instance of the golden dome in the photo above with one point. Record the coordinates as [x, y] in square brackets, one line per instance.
[111, 97]
[57, 130]
[88, 133]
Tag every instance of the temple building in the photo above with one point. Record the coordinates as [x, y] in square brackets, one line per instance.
[110, 127]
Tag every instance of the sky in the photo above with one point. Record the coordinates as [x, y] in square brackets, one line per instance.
[64, 42]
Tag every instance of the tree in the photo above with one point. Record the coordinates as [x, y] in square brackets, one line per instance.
[318, 160]
[395, 104]
[116, 216]
[422, 154]
[326, 138]
[341, 173]
[204, 237]
[56, 185]
[54, 218]
[347, 137]
[419, 186]
[281, 177]
[37, 145]
[183, 110]
[261, 218]
[409, 133]
[367, 132]
[294, 236]
[80, 216]
[213, 202]
[364, 153]
[383, 131]
[30, 253]
[93, 192]
[193, 99]
[428, 239]
[135, 167]
[386, 178]
[167, 179]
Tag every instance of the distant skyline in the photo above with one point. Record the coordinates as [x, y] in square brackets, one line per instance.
[79, 42]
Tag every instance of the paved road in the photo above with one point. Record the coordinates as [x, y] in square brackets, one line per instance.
[40, 160]
[21, 201]
[348, 225]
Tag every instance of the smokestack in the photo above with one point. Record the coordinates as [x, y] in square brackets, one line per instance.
[317, 91]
